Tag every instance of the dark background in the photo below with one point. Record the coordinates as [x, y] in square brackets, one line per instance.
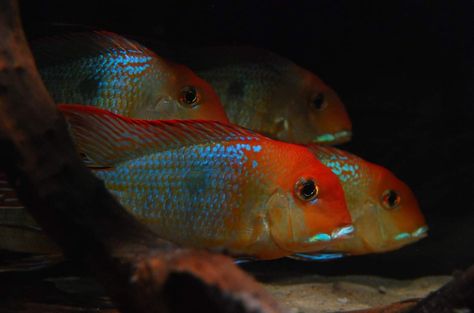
[404, 70]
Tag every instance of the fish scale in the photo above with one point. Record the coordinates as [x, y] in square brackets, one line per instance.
[251, 86]
[378, 226]
[212, 185]
[108, 71]
[200, 200]
[272, 95]
[120, 81]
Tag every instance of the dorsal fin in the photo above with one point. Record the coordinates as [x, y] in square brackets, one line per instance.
[107, 138]
[202, 59]
[62, 49]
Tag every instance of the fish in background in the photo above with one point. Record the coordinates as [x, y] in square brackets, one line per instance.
[270, 94]
[108, 71]
[211, 185]
[384, 210]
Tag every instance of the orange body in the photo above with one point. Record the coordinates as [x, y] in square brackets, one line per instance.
[211, 185]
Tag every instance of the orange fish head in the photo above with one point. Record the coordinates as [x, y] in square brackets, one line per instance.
[308, 210]
[317, 114]
[389, 217]
[196, 97]
[328, 117]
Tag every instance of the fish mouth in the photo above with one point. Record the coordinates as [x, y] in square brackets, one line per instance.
[339, 233]
[334, 138]
[419, 233]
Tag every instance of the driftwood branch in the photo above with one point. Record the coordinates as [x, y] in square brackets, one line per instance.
[398, 307]
[455, 296]
[141, 272]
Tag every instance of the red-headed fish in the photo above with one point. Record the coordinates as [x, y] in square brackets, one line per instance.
[385, 212]
[270, 94]
[210, 185]
[108, 71]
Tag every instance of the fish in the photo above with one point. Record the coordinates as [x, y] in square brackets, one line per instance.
[111, 72]
[384, 210]
[206, 184]
[268, 93]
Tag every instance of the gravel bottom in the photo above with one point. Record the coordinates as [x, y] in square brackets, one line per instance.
[319, 294]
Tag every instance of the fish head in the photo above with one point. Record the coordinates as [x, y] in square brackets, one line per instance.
[386, 215]
[328, 117]
[308, 209]
[183, 96]
[318, 114]
[399, 216]
[196, 97]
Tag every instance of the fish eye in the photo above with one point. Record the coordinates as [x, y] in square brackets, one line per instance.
[390, 199]
[306, 189]
[319, 102]
[189, 97]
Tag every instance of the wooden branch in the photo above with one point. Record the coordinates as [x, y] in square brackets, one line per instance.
[455, 296]
[398, 307]
[141, 272]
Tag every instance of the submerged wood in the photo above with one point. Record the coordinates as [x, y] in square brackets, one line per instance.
[398, 307]
[456, 296]
[141, 272]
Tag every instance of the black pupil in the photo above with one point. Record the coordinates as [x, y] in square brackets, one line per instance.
[308, 190]
[392, 198]
[189, 95]
[318, 101]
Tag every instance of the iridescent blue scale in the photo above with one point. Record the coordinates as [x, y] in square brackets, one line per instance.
[191, 193]
[344, 165]
[116, 75]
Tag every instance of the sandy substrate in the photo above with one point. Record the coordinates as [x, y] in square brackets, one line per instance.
[318, 294]
[307, 294]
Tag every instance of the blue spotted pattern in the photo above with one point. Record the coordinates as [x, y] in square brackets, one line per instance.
[192, 193]
[106, 71]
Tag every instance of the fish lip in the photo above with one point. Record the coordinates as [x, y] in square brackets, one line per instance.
[420, 232]
[338, 137]
[339, 233]
[343, 232]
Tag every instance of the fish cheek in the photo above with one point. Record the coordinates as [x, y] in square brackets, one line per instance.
[161, 107]
[279, 220]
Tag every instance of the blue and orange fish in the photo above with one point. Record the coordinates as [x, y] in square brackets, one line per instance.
[111, 72]
[384, 211]
[271, 94]
[211, 185]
